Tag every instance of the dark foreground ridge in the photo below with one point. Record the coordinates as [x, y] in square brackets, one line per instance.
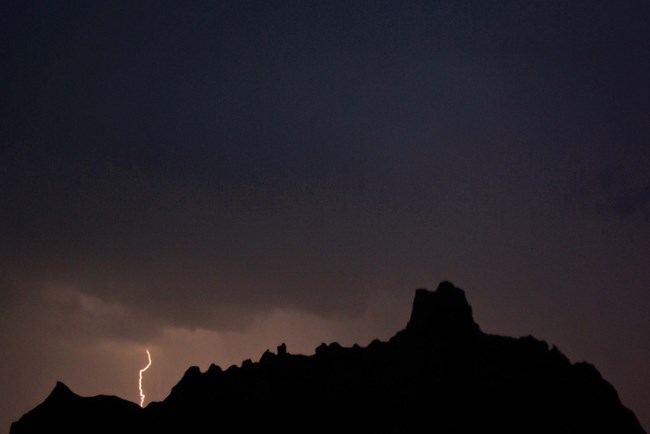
[441, 374]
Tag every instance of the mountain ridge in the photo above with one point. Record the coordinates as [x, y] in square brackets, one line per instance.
[441, 371]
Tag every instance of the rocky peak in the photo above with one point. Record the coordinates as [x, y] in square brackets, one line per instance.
[61, 393]
[444, 312]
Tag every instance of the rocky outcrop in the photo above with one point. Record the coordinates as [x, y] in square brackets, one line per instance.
[65, 411]
[444, 313]
[441, 374]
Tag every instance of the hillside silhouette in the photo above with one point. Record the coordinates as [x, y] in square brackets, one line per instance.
[441, 374]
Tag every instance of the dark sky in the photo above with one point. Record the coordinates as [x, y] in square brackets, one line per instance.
[210, 179]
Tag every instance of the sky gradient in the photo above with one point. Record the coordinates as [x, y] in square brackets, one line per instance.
[210, 179]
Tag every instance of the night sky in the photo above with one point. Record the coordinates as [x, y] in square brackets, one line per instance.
[210, 179]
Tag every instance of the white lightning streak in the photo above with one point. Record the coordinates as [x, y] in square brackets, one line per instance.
[140, 381]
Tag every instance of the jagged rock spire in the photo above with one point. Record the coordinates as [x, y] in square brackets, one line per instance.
[444, 312]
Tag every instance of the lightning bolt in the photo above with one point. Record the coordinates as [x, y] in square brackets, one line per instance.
[140, 380]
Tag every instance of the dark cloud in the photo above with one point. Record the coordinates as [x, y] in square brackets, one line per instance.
[277, 156]
[617, 191]
[633, 201]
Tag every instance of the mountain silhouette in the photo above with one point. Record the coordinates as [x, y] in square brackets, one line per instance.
[441, 374]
